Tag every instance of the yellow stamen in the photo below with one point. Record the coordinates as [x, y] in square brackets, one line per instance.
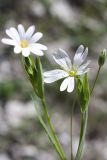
[24, 43]
[72, 73]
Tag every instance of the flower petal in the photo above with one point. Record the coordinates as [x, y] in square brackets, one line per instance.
[54, 75]
[64, 84]
[79, 50]
[84, 55]
[26, 52]
[40, 46]
[36, 51]
[21, 31]
[17, 49]
[56, 72]
[15, 33]
[70, 84]
[82, 67]
[83, 71]
[80, 56]
[62, 59]
[36, 37]
[9, 33]
[8, 41]
[30, 31]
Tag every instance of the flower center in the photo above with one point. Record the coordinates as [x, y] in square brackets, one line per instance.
[72, 73]
[24, 43]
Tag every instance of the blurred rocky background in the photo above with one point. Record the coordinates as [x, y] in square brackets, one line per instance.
[66, 24]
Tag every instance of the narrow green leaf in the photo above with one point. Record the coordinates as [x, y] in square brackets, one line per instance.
[50, 135]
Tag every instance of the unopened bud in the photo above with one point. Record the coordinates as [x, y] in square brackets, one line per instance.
[102, 58]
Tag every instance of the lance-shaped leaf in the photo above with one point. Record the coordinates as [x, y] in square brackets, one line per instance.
[46, 129]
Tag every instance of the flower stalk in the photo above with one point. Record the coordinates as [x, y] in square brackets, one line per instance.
[84, 118]
[52, 129]
[96, 78]
[84, 115]
[72, 111]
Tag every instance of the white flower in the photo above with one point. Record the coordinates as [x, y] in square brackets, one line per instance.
[24, 42]
[68, 70]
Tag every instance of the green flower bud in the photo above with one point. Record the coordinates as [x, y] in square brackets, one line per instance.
[102, 58]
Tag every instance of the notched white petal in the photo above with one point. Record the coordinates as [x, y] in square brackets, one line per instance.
[80, 49]
[64, 84]
[36, 37]
[83, 71]
[70, 87]
[62, 59]
[26, 52]
[15, 33]
[80, 56]
[21, 31]
[41, 46]
[56, 72]
[84, 55]
[54, 75]
[82, 67]
[8, 41]
[30, 31]
[17, 49]
[86, 70]
[62, 53]
[36, 51]
[9, 33]
[50, 79]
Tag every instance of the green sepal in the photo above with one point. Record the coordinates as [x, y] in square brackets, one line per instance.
[34, 73]
[83, 92]
[102, 58]
[30, 65]
[39, 78]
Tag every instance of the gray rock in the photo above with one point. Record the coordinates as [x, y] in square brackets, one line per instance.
[5, 70]
[17, 111]
[3, 125]
[28, 151]
[3, 156]
[64, 12]
[43, 155]
[37, 8]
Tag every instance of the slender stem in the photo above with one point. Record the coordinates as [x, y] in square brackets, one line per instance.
[52, 129]
[95, 79]
[72, 110]
[84, 119]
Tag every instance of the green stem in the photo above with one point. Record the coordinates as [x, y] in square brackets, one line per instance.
[47, 131]
[72, 110]
[52, 129]
[95, 79]
[84, 119]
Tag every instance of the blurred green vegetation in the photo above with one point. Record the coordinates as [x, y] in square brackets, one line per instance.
[9, 89]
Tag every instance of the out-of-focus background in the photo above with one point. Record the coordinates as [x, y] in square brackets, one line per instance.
[66, 24]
